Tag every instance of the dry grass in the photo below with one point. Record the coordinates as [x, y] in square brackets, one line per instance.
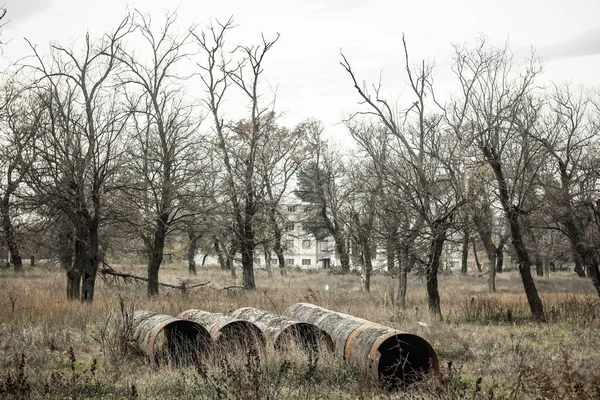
[489, 347]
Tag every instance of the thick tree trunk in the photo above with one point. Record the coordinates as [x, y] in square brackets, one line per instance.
[512, 215]
[191, 253]
[156, 253]
[90, 269]
[75, 271]
[583, 253]
[342, 250]
[578, 269]
[248, 254]
[465, 251]
[10, 237]
[433, 264]
[594, 274]
[281, 262]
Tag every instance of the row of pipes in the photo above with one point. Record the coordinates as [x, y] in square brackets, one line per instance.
[391, 356]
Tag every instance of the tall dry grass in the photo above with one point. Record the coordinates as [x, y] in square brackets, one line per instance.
[488, 345]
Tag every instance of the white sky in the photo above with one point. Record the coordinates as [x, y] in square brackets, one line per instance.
[305, 62]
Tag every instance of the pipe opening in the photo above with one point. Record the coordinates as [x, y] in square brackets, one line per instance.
[405, 359]
[241, 336]
[181, 343]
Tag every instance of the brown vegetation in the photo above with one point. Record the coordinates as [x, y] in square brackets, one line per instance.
[488, 345]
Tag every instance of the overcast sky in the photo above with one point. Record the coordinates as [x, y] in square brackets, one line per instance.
[305, 62]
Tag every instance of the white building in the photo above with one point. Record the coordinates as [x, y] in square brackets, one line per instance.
[301, 248]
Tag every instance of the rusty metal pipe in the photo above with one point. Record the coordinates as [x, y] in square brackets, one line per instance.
[391, 356]
[165, 339]
[283, 331]
[230, 334]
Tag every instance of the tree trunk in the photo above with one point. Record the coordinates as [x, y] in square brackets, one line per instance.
[583, 253]
[342, 250]
[229, 262]
[91, 264]
[539, 267]
[403, 264]
[578, 267]
[367, 267]
[75, 270]
[433, 264]
[277, 246]
[248, 253]
[10, 237]
[268, 261]
[465, 251]
[500, 258]
[156, 253]
[594, 274]
[512, 215]
[491, 281]
[191, 253]
[220, 255]
[390, 252]
[477, 263]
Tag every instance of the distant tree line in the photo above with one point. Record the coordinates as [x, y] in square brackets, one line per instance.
[128, 139]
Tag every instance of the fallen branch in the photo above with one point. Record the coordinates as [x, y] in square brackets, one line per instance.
[234, 287]
[183, 287]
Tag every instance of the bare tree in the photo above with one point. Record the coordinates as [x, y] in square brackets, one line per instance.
[240, 144]
[19, 125]
[165, 149]
[79, 148]
[278, 164]
[568, 133]
[420, 141]
[322, 183]
[496, 111]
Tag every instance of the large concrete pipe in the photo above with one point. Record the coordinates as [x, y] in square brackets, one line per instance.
[230, 334]
[283, 331]
[391, 356]
[168, 340]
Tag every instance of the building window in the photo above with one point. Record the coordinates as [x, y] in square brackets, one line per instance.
[289, 261]
[289, 226]
[306, 244]
[274, 261]
[324, 245]
[306, 261]
[289, 244]
[291, 208]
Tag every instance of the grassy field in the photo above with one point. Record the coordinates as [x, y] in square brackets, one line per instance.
[488, 346]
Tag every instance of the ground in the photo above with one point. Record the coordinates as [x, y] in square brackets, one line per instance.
[487, 344]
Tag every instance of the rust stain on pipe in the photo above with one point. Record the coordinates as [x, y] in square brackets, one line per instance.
[165, 339]
[389, 355]
[229, 333]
